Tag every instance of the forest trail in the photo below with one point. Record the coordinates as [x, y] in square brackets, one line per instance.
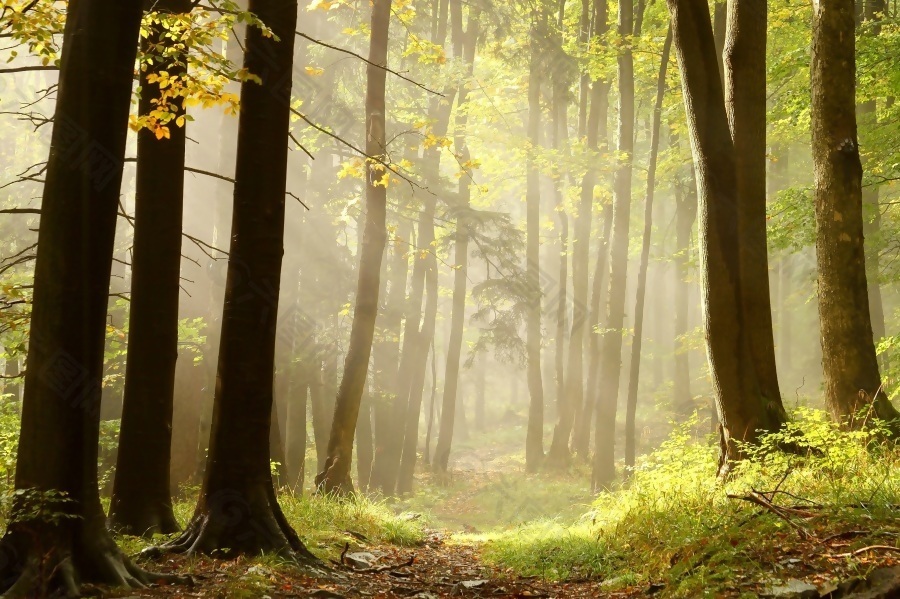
[440, 567]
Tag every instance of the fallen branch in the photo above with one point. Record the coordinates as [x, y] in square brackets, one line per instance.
[867, 549]
[761, 500]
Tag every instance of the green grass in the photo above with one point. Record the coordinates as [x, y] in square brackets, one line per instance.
[675, 524]
[324, 523]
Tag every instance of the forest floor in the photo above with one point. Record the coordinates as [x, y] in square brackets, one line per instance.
[490, 530]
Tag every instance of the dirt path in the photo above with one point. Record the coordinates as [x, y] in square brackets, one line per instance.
[438, 568]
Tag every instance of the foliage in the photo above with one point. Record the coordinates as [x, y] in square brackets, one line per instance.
[674, 523]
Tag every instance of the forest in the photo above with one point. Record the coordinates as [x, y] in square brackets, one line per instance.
[449, 298]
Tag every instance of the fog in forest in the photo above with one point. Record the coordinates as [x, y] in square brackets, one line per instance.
[555, 286]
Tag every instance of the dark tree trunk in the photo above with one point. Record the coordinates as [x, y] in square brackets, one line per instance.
[534, 440]
[466, 51]
[58, 443]
[745, 102]
[237, 512]
[335, 476]
[603, 471]
[737, 391]
[635, 366]
[141, 504]
[852, 380]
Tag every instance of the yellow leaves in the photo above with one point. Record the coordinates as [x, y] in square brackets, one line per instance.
[320, 5]
[352, 168]
[383, 181]
[432, 140]
[314, 71]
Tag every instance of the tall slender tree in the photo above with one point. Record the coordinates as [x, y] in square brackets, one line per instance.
[636, 344]
[745, 101]
[740, 407]
[237, 512]
[852, 379]
[141, 503]
[534, 440]
[465, 51]
[335, 475]
[603, 470]
[51, 549]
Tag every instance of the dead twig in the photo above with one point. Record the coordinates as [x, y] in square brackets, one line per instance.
[867, 549]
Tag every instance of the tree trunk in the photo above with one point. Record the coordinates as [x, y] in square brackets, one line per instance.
[295, 430]
[685, 215]
[58, 443]
[745, 102]
[603, 471]
[873, 11]
[737, 392]
[466, 51]
[388, 437]
[534, 440]
[596, 135]
[422, 343]
[141, 504]
[335, 476]
[237, 512]
[365, 441]
[635, 366]
[852, 380]
[558, 455]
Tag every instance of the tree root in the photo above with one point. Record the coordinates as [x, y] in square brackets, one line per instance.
[29, 570]
[230, 523]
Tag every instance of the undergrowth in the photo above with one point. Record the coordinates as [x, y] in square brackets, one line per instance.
[674, 524]
[325, 523]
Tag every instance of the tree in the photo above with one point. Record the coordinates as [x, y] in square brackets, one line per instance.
[56, 537]
[237, 512]
[141, 503]
[534, 439]
[597, 133]
[465, 50]
[852, 379]
[635, 366]
[745, 101]
[335, 476]
[603, 470]
[737, 391]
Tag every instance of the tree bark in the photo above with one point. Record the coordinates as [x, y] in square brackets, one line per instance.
[237, 512]
[534, 440]
[603, 470]
[635, 366]
[295, 429]
[141, 504]
[56, 465]
[738, 398]
[852, 380]
[335, 476]
[873, 12]
[745, 103]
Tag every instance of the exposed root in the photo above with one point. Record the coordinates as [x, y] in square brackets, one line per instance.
[50, 564]
[229, 523]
